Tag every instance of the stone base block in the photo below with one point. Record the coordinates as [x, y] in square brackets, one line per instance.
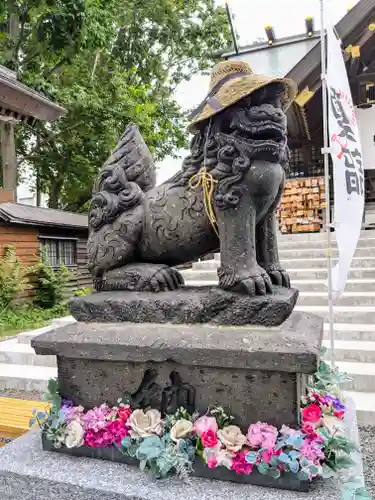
[186, 305]
[287, 481]
[255, 373]
[26, 471]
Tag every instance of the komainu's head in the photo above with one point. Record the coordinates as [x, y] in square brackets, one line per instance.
[252, 128]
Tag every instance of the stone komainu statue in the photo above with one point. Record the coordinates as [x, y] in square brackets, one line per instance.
[225, 195]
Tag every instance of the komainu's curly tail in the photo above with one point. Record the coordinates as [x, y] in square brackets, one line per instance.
[119, 188]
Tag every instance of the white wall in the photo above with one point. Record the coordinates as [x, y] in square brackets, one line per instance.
[366, 126]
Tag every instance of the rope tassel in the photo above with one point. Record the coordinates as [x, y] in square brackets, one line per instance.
[204, 179]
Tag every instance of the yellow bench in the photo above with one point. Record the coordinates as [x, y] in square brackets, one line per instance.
[15, 416]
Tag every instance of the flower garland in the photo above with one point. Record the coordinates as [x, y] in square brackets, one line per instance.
[319, 448]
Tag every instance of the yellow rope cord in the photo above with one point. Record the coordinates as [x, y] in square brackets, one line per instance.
[206, 180]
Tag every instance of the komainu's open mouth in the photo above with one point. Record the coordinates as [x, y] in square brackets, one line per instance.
[262, 138]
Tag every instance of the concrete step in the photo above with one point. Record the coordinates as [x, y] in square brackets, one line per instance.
[315, 253]
[343, 314]
[25, 378]
[12, 352]
[347, 299]
[362, 375]
[299, 263]
[365, 406]
[351, 332]
[210, 275]
[355, 285]
[359, 285]
[352, 351]
[321, 244]
[318, 236]
[26, 337]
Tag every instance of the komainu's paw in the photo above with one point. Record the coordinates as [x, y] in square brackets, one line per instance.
[279, 277]
[166, 278]
[141, 278]
[254, 282]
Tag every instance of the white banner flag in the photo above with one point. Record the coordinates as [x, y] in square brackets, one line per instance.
[348, 175]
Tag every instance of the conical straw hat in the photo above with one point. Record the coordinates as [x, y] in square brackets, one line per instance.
[230, 82]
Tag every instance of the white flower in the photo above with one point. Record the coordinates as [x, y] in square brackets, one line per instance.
[181, 430]
[232, 438]
[145, 424]
[74, 435]
[225, 458]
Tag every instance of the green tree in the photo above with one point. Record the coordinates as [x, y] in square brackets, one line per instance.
[108, 63]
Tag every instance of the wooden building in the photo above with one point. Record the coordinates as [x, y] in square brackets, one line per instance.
[19, 103]
[63, 235]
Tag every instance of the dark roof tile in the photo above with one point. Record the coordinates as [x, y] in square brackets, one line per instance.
[17, 213]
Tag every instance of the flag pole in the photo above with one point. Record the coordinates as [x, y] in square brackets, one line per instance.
[325, 152]
[231, 25]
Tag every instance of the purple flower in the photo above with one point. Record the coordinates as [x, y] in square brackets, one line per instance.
[72, 413]
[336, 403]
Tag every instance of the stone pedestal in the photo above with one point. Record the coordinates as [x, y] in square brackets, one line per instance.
[255, 373]
[187, 305]
[28, 472]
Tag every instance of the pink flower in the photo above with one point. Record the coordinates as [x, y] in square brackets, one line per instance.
[116, 430]
[311, 451]
[318, 398]
[209, 439]
[262, 435]
[312, 414]
[339, 414]
[96, 418]
[239, 464]
[311, 433]
[113, 433]
[268, 454]
[204, 424]
[96, 439]
[124, 413]
[212, 463]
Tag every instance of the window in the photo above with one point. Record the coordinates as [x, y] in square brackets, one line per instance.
[59, 252]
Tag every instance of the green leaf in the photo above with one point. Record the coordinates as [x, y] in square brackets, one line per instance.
[328, 472]
[324, 433]
[303, 475]
[274, 473]
[263, 468]
[143, 465]
[343, 462]
[126, 442]
[150, 448]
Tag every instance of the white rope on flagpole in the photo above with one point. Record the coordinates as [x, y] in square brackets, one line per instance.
[326, 181]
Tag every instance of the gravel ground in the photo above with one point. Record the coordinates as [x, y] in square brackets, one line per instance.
[368, 453]
[367, 439]
[31, 396]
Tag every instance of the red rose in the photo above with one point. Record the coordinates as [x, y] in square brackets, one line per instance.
[209, 439]
[124, 413]
[339, 414]
[311, 414]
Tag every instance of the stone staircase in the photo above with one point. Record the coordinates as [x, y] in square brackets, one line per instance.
[23, 370]
[303, 255]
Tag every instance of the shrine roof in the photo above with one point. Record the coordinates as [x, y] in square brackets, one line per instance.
[22, 102]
